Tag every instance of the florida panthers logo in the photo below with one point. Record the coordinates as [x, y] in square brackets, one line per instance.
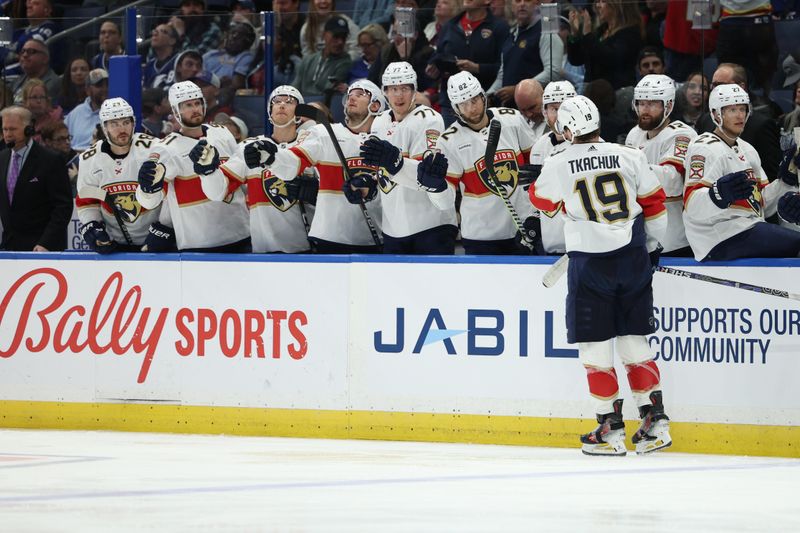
[506, 169]
[756, 201]
[384, 182]
[276, 191]
[122, 199]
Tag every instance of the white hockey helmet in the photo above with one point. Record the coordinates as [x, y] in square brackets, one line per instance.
[463, 86]
[283, 90]
[115, 108]
[579, 114]
[183, 91]
[558, 91]
[724, 95]
[655, 87]
[375, 95]
[399, 73]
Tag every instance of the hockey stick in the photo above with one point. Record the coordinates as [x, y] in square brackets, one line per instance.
[488, 159]
[318, 116]
[87, 191]
[559, 267]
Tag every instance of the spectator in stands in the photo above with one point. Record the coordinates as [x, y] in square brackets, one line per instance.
[164, 45]
[572, 73]
[235, 125]
[612, 127]
[321, 71]
[684, 48]
[528, 97]
[761, 130]
[791, 120]
[245, 11]
[187, 65]
[444, 11]
[650, 61]
[692, 99]
[209, 83]
[35, 63]
[367, 12]
[472, 42]
[609, 52]
[231, 63]
[56, 137]
[502, 9]
[155, 108]
[747, 37]
[35, 98]
[312, 31]
[289, 22]
[371, 40]
[195, 29]
[654, 15]
[527, 53]
[415, 50]
[38, 13]
[73, 83]
[110, 44]
[82, 120]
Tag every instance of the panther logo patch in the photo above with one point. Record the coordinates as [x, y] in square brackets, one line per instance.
[122, 199]
[276, 192]
[506, 169]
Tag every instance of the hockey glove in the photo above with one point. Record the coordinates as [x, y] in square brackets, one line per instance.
[205, 158]
[787, 171]
[655, 258]
[366, 189]
[431, 172]
[383, 154]
[303, 189]
[789, 207]
[260, 154]
[160, 238]
[151, 176]
[731, 187]
[95, 235]
[528, 174]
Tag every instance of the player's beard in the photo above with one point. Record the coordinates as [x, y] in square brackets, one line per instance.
[354, 117]
[650, 123]
[193, 122]
[115, 142]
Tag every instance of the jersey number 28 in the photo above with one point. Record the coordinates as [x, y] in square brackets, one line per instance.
[609, 198]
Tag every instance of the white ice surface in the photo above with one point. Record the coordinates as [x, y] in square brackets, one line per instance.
[106, 481]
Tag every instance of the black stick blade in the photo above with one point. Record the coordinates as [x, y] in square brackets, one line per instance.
[492, 140]
[309, 111]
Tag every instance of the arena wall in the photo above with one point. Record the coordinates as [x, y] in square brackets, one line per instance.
[434, 349]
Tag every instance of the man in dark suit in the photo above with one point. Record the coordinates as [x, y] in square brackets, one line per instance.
[761, 130]
[35, 194]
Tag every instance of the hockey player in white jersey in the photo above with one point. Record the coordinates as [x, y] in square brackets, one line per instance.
[487, 228]
[727, 195]
[280, 211]
[615, 215]
[664, 143]
[412, 224]
[552, 225]
[111, 218]
[339, 226]
[200, 223]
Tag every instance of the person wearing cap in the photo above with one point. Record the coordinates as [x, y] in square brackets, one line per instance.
[164, 44]
[196, 30]
[311, 33]
[34, 61]
[231, 63]
[235, 125]
[322, 70]
[82, 120]
[791, 68]
[110, 44]
[210, 85]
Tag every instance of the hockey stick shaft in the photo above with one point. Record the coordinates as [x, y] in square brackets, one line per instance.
[100, 194]
[317, 115]
[559, 267]
[491, 148]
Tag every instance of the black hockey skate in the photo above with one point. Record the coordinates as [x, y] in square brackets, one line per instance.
[609, 437]
[653, 434]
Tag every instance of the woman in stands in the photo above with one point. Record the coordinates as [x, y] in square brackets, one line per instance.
[73, 83]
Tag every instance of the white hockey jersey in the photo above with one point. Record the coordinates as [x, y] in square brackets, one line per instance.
[708, 159]
[603, 187]
[103, 173]
[407, 209]
[484, 216]
[335, 219]
[199, 222]
[666, 153]
[552, 223]
[276, 222]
